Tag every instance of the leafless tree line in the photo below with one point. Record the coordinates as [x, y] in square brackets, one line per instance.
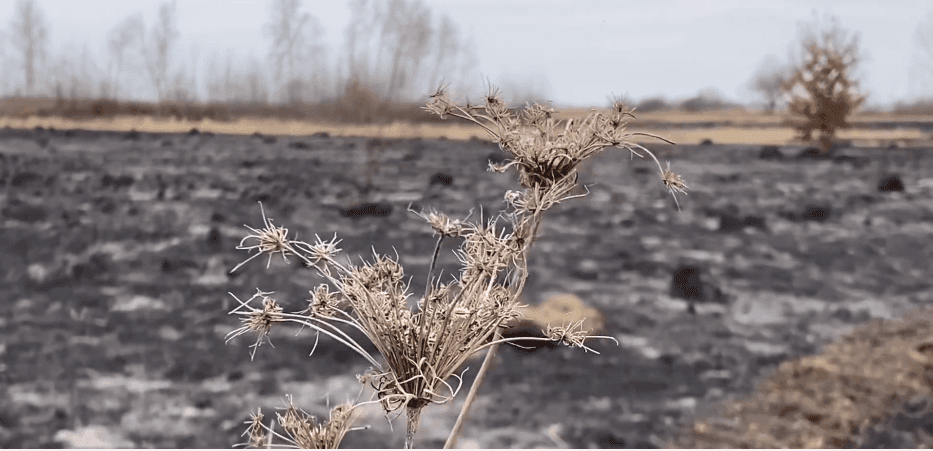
[397, 49]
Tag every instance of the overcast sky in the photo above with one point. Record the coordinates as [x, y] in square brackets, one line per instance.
[577, 52]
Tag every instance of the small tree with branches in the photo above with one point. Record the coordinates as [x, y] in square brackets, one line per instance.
[768, 81]
[297, 57]
[162, 39]
[29, 35]
[820, 89]
[125, 44]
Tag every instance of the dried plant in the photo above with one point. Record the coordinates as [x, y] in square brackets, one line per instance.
[821, 89]
[423, 346]
[301, 429]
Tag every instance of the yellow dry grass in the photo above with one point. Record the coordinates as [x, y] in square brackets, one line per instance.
[248, 126]
[744, 127]
[780, 136]
[746, 117]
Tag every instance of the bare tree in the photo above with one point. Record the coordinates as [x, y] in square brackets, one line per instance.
[73, 75]
[769, 79]
[318, 74]
[256, 88]
[183, 86]
[233, 84]
[125, 44]
[399, 39]
[215, 88]
[29, 36]
[362, 43]
[821, 90]
[4, 75]
[85, 76]
[453, 54]
[360, 36]
[191, 74]
[294, 50]
[158, 53]
[921, 71]
[406, 34]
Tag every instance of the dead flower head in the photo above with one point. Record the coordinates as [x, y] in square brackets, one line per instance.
[673, 182]
[270, 240]
[257, 320]
[443, 225]
[256, 430]
[323, 302]
[573, 335]
[546, 154]
[301, 430]
[304, 431]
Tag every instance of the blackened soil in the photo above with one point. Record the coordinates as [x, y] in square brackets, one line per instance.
[115, 252]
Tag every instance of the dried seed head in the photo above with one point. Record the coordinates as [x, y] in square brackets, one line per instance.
[256, 430]
[443, 225]
[546, 168]
[304, 431]
[672, 180]
[619, 114]
[261, 321]
[323, 302]
[291, 420]
[571, 335]
[388, 269]
[509, 318]
[270, 240]
[440, 103]
[539, 116]
[255, 319]
[325, 250]
[500, 296]
[495, 107]
[674, 183]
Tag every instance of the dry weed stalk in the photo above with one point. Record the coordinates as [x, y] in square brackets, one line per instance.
[423, 346]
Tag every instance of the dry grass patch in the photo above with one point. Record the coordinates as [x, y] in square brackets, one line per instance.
[831, 399]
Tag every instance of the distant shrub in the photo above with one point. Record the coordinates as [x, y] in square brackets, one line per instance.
[820, 91]
[769, 80]
[706, 100]
[652, 104]
[217, 113]
[919, 106]
[359, 103]
[105, 107]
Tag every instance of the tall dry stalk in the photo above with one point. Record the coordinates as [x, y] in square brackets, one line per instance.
[422, 347]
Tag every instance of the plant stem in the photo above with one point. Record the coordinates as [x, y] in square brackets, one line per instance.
[480, 376]
[414, 419]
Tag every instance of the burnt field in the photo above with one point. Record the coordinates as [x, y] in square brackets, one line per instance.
[115, 252]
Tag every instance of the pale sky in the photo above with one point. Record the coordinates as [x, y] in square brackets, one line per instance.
[577, 52]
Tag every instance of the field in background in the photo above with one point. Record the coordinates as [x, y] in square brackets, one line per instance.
[340, 119]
